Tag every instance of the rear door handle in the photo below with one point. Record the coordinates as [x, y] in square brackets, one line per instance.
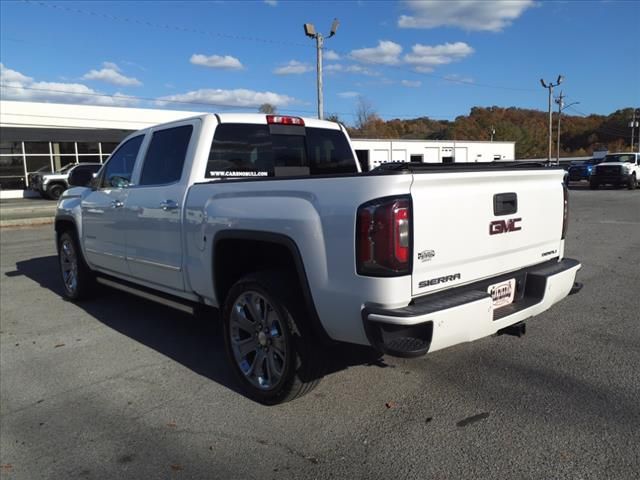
[168, 205]
[117, 204]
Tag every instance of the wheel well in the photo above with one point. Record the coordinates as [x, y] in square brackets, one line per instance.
[235, 258]
[63, 225]
[56, 183]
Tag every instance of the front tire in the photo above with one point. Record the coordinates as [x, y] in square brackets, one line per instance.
[267, 341]
[77, 278]
[593, 185]
[633, 182]
[54, 192]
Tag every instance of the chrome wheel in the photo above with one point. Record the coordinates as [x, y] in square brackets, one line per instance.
[69, 266]
[258, 340]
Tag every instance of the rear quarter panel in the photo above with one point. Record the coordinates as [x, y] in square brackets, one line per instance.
[318, 214]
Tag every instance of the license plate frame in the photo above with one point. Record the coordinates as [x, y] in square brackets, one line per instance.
[502, 293]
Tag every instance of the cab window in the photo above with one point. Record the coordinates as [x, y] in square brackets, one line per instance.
[164, 161]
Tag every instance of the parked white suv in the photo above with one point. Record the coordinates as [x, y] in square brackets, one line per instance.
[269, 219]
[52, 184]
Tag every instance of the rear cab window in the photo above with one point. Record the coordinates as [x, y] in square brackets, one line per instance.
[254, 150]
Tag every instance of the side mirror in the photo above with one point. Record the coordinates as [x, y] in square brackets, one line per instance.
[81, 176]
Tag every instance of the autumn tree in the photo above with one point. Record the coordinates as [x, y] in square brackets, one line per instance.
[267, 108]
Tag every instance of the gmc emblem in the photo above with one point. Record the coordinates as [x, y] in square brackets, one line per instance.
[504, 226]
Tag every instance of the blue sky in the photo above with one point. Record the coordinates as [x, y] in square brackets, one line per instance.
[407, 59]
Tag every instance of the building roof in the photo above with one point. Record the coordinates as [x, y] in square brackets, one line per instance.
[59, 115]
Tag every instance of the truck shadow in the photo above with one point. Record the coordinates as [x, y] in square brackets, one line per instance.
[193, 341]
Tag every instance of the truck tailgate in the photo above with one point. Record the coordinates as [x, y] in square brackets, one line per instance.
[469, 226]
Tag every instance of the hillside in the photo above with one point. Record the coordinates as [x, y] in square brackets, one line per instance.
[581, 135]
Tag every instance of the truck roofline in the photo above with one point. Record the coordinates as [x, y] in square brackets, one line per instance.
[250, 118]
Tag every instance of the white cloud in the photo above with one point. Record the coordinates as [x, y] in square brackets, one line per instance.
[271, 3]
[331, 55]
[216, 61]
[425, 57]
[386, 53]
[110, 73]
[487, 15]
[411, 83]
[293, 68]
[16, 86]
[357, 69]
[230, 98]
[348, 94]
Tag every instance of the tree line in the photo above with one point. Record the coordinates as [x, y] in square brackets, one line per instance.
[580, 135]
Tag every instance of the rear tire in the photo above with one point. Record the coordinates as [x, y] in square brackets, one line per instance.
[54, 192]
[78, 281]
[267, 340]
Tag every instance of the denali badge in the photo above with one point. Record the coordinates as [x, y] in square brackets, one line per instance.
[436, 281]
[504, 226]
[426, 255]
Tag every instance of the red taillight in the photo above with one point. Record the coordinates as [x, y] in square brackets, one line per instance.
[284, 120]
[565, 211]
[383, 233]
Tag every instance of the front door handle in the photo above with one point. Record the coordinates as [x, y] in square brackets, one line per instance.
[168, 205]
[117, 204]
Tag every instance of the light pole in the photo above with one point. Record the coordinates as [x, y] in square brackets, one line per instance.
[492, 131]
[310, 31]
[561, 107]
[550, 88]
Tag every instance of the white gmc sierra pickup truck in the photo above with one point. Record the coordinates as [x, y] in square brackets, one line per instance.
[269, 219]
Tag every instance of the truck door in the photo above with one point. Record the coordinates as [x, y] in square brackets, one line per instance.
[154, 205]
[103, 213]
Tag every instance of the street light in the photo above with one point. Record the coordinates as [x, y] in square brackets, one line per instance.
[310, 31]
[550, 88]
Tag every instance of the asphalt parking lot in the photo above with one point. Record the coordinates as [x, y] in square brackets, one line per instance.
[123, 388]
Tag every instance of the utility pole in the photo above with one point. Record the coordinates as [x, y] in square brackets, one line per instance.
[550, 88]
[492, 131]
[310, 31]
[561, 108]
[560, 102]
[633, 124]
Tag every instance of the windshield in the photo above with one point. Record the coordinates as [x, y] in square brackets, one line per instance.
[619, 158]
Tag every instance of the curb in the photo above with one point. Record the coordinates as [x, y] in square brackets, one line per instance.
[26, 222]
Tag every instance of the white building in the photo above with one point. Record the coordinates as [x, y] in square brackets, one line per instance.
[371, 153]
[48, 136]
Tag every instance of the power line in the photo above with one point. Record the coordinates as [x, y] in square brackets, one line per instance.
[193, 102]
[176, 28]
[146, 23]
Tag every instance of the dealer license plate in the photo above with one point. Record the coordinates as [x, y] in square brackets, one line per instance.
[502, 293]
